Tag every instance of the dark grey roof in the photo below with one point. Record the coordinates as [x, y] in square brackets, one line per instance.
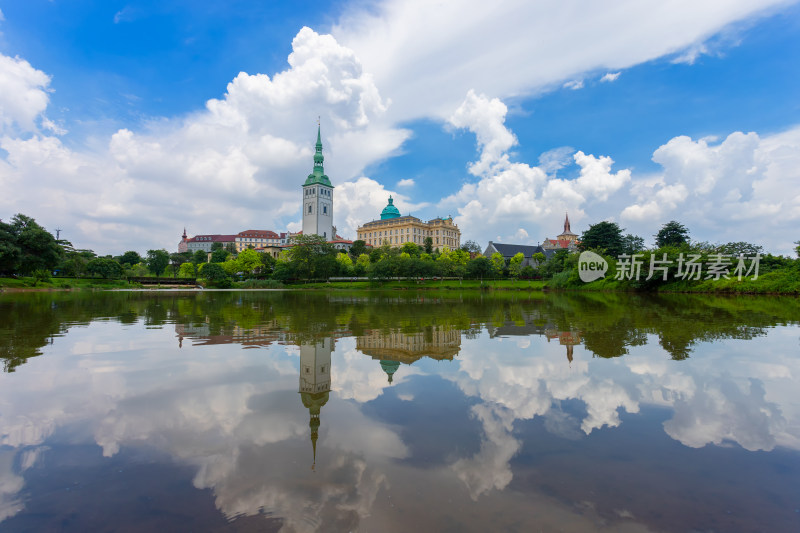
[510, 250]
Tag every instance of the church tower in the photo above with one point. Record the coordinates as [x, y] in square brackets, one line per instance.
[318, 199]
[315, 383]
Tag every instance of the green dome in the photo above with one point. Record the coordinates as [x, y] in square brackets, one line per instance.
[390, 367]
[390, 211]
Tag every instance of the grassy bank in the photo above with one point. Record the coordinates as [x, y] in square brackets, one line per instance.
[63, 284]
[503, 284]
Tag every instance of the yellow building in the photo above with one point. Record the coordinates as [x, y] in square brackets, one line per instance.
[394, 229]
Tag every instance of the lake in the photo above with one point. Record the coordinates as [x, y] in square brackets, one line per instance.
[398, 411]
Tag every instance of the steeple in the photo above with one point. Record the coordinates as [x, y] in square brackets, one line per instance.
[566, 222]
[184, 232]
[318, 176]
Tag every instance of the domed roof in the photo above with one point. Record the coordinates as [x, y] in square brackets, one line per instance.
[390, 367]
[390, 211]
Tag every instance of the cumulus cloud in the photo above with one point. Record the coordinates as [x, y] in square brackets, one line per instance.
[574, 85]
[610, 77]
[237, 164]
[23, 95]
[509, 195]
[743, 188]
[430, 53]
[408, 182]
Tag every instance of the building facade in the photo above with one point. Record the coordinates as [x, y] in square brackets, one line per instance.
[204, 242]
[257, 238]
[510, 250]
[396, 230]
[318, 199]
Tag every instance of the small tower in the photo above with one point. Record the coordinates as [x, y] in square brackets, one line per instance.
[315, 384]
[567, 235]
[183, 246]
[318, 198]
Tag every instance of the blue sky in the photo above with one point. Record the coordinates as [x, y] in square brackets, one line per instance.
[123, 122]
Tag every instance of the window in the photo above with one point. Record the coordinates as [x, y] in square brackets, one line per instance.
[309, 209]
[324, 209]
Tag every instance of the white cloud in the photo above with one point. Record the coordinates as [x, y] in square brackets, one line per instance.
[23, 95]
[237, 164]
[408, 182]
[510, 194]
[610, 77]
[574, 85]
[430, 53]
[743, 188]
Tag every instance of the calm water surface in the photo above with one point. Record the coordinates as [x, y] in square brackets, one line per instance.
[403, 411]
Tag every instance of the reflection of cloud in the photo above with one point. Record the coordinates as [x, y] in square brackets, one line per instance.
[720, 410]
[10, 485]
[489, 468]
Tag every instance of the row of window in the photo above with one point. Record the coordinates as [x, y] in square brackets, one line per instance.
[322, 192]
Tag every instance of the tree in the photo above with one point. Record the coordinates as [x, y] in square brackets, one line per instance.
[199, 257]
[312, 256]
[797, 249]
[231, 247]
[105, 268]
[411, 249]
[188, 270]
[267, 263]
[38, 250]
[9, 250]
[479, 268]
[215, 275]
[428, 242]
[219, 255]
[345, 264]
[157, 261]
[743, 248]
[539, 258]
[498, 263]
[471, 247]
[359, 247]
[603, 236]
[361, 266]
[177, 259]
[632, 244]
[515, 265]
[249, 261]
[129, 258]
[672, 234]
[216, 246]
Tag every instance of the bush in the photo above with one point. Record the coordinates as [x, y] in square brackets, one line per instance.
[261, 284]
[40, 276]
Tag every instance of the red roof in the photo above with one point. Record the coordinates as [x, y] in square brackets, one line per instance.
[561, 243]
[212, 238]
[259, 234]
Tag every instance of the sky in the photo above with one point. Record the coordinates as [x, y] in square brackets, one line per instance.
[122, 122]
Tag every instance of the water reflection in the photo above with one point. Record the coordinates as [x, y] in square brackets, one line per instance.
[380, 412]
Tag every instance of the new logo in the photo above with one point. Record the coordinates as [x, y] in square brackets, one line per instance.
[591, 266]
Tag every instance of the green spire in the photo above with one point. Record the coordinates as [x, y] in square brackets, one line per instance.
[318, 177]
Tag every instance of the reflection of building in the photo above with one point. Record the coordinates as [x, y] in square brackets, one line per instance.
[315, 383]
[565, 338]
[397, 230]
[395, 347]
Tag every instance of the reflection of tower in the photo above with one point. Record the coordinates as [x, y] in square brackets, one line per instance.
[390, 367]
[315, 383]
[565, 338]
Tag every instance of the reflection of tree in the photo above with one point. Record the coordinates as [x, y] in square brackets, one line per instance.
[609, 322]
